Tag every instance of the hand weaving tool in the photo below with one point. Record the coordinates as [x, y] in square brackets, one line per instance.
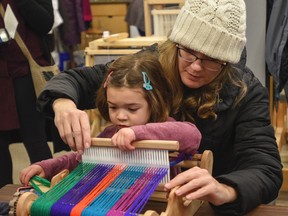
[113, 182]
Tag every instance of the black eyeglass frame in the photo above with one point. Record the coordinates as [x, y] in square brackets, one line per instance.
[196, 58]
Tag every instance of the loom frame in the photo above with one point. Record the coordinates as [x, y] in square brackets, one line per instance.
[175, 205]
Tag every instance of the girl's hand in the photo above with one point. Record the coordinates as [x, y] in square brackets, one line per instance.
[123, 139]
[27, 173]
[197, 183]
[73, 124]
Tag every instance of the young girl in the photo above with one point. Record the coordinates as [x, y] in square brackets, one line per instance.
[135, 99]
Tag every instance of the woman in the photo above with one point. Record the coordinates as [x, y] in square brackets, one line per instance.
[226, 102]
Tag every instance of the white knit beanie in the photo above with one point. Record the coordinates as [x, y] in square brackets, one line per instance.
[215, 28]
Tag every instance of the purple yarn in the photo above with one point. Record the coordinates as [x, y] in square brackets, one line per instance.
[67, 202]
[137, 196]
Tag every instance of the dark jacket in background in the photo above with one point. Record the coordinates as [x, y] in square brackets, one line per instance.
[73, 21]
[276, 47]
[135, 14]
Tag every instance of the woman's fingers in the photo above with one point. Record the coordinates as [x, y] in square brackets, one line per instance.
[73, 124]
[181, 178]
[77, 130]
[197, 183]
[86, 132]
[192, 183]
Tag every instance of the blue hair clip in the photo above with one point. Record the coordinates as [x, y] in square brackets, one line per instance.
[146, 83]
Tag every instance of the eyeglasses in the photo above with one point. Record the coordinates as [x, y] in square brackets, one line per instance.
[208, 64]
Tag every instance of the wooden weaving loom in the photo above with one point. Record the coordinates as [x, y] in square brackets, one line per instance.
[23, 205]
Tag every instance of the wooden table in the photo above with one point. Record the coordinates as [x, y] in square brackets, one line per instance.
[6, 194]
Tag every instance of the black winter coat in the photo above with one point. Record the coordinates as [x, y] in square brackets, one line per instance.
[242, 139]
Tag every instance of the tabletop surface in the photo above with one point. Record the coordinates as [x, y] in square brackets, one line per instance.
[6, 194]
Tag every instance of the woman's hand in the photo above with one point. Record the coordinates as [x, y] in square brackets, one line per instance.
[73, 124]
[123, 139]
[27, 173]
[197, 183]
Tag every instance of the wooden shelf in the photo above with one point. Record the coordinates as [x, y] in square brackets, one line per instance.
[109, 17]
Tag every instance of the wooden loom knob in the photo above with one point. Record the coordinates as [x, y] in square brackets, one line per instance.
[24, 204]
[178, 206]
[57, 178]
[151, 213]
[207, 161]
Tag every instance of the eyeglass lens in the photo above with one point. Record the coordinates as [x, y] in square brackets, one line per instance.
[190, 57]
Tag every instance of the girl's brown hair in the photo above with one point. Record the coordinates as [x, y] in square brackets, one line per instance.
[195, 102]
[126, 71]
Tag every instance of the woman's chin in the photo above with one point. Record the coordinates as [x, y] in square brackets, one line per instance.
[192, 83]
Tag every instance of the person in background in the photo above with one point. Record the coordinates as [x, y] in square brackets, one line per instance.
[135, 15]
[20, 121]
[135, 98]
[204, 60]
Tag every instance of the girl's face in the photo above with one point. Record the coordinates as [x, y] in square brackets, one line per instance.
[196, 69]
[127, 106]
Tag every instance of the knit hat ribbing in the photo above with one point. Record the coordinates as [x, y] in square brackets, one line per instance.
[215, 28]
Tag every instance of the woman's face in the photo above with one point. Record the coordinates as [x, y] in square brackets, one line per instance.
[196, 69]
[127, 106]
